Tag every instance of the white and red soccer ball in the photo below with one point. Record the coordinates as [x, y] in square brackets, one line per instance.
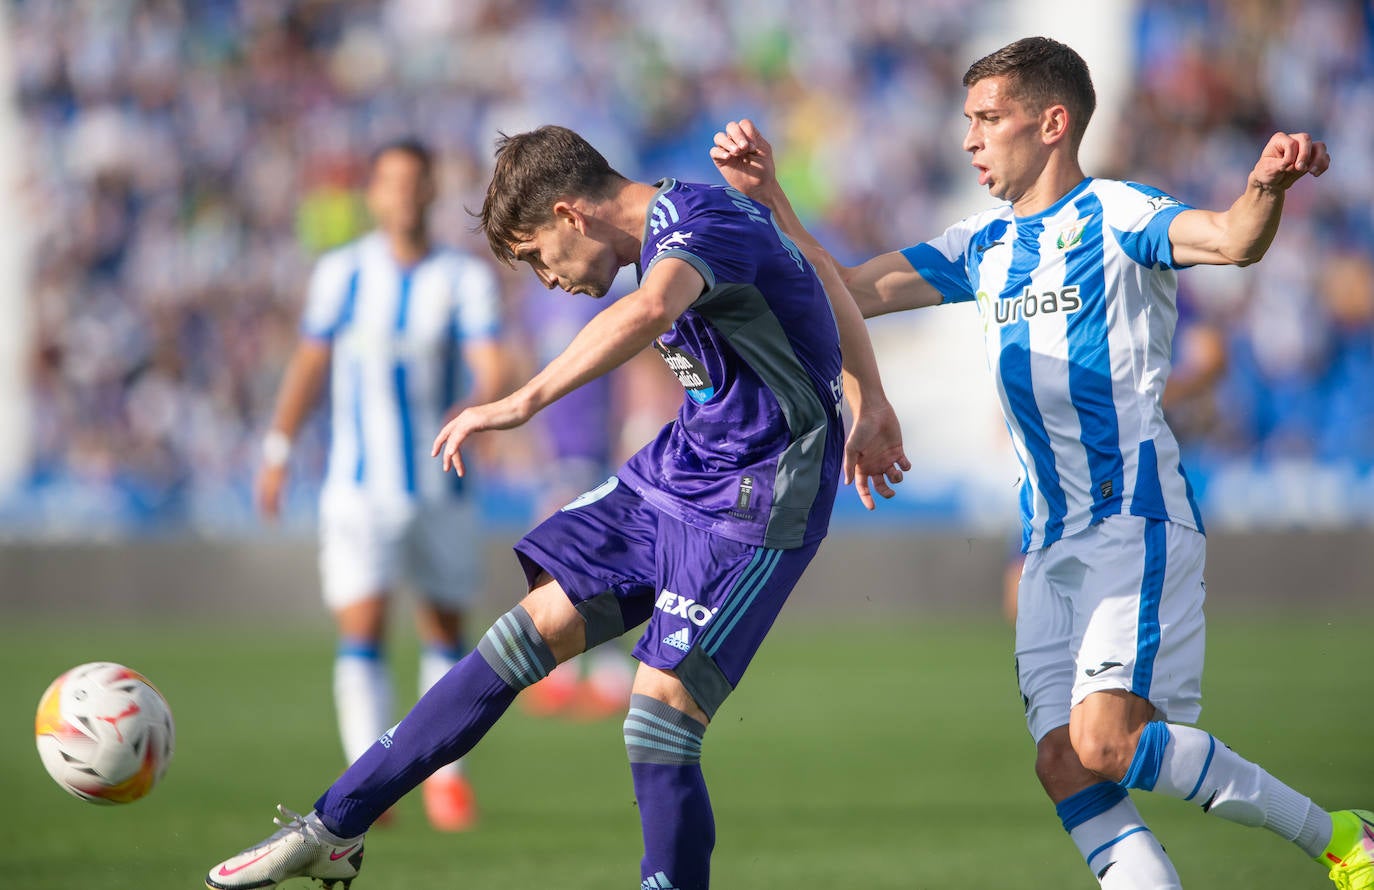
[105, 734]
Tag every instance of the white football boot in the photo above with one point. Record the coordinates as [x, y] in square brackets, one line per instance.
[302, 848]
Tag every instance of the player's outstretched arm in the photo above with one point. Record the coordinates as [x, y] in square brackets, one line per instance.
[300, 387]
[1242, 234]
[886, 283]
[874, 458]
[610, 339]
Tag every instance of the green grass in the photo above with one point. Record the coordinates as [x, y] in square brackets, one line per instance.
[873, 757]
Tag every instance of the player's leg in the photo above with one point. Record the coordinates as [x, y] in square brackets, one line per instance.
[717, 600]
[597, 552]
[1098, 815]
[1138, 690]
[450, 802]
[444, 725]
[444, 562]
[358, 565]
[518, 650]
[664, 728]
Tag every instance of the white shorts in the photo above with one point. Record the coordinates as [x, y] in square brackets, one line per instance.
[367, 550]
[1116, 606]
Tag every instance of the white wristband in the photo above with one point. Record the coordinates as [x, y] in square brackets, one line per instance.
[276, 448]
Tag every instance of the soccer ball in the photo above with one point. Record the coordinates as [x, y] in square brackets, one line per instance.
[104, 733]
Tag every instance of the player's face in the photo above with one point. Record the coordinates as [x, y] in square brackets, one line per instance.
[563, 256]
[399, 193]
[1004, 139]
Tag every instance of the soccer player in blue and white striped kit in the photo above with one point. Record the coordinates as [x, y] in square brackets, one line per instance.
[1074, 278]
[404, 331]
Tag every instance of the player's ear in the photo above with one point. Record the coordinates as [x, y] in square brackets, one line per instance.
[566, 213]
[1054, 124]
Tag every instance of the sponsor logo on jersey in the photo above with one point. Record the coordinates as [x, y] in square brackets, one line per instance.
[388, 737]
[691, 373]
[1028, 304]
[683, 607]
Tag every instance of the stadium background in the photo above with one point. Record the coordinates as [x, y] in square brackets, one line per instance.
[173, 168]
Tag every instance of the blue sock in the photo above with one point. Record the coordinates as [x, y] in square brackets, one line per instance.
[664, 746]
[443, 726]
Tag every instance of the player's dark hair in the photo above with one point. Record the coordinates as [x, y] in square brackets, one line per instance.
[1042, 72]
[408, 145]
[533, 172]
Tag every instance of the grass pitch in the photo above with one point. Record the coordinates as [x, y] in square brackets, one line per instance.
[890, 756]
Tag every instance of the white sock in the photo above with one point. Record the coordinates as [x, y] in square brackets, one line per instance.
[1117, 845]
[1193, 765]
[434, 663]
[362, 697]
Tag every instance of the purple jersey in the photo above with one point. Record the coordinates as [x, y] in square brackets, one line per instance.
[754, 455]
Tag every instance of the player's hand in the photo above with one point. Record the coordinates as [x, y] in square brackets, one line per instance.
[745, 159]
[499, 415]
[873, 455]
[267, 491]
[1287, 158]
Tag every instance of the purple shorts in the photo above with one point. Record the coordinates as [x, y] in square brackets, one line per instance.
[709, 601]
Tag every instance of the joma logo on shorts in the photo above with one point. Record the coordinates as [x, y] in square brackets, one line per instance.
[683, 607]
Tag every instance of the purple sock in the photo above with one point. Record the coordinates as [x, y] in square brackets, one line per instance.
[444, 725]
[674, 809]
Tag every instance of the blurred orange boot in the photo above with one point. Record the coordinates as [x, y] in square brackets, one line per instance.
[449, 802]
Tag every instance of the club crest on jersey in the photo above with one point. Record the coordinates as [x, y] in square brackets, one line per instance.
[1071, 235]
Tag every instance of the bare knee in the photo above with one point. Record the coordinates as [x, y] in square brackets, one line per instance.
[364, 619]
[1105, 750]
[667, 688]
[1105, 728]
[556, 619]
[1057, 765]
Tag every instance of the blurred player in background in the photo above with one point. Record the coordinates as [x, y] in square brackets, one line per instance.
[1074, 279]
[703, 533]
[406, 331]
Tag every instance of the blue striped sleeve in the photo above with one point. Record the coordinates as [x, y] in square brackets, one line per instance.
[945, 275]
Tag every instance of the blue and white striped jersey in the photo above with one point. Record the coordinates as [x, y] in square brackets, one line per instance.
[397, 335]
[1078, 309]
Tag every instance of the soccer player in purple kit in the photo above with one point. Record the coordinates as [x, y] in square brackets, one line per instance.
[702, 534]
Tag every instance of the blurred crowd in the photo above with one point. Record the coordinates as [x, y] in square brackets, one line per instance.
[188, 162]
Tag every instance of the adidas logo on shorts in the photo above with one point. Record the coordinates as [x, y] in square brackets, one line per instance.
[659, 881]
[679, 639]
